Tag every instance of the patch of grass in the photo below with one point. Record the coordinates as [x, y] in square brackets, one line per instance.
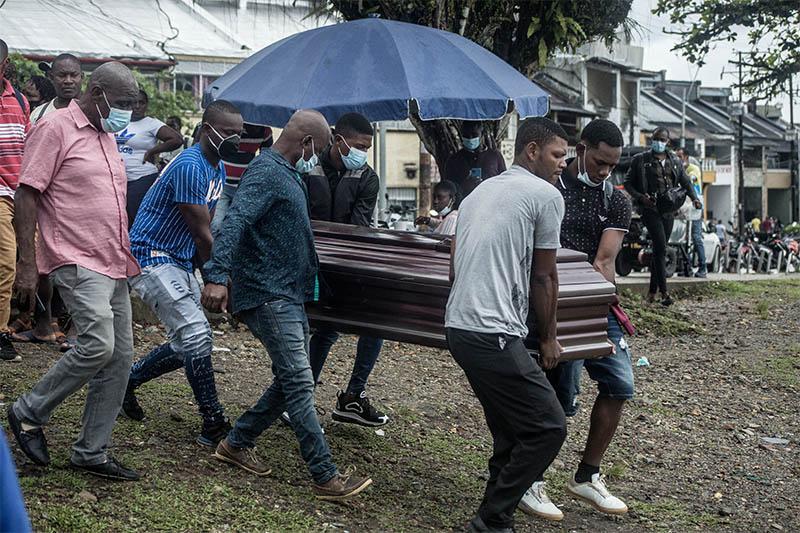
[655, 319]
[616, 470]
[671, 515]
[762, 309]
[783, 369]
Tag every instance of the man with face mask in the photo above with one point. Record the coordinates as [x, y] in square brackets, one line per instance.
[495, 268]
[266, 251]
[73, 184]
[474, 162]
[66, 75]
[172, 228]
[651, 175]
[343, 188]
[596, 218]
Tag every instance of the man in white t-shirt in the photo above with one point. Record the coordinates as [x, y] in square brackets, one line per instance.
[140, 144]
[507, 236]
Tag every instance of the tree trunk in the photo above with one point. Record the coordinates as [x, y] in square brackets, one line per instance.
[425, 174]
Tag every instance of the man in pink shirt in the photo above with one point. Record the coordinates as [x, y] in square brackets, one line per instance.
[73, 184]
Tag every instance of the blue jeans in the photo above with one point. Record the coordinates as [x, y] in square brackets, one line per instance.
[613, 374]
[221, 209]
[174, 296]
[282, 328]
[367, 352]
[697, 240]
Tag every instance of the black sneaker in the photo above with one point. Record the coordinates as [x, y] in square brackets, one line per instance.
[213, 432]
[7, 350]
[111, 469]
[32, 442]
[355, 409]
[131, 407]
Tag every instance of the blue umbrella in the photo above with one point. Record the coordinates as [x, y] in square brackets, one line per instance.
[377, 68]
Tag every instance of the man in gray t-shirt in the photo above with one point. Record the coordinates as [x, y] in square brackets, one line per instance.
[506, 239]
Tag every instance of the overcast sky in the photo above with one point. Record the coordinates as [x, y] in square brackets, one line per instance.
[657, 55]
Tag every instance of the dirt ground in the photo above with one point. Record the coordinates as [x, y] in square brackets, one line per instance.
[689, 456]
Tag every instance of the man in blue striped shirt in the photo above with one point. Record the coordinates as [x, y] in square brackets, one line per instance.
[171, 227]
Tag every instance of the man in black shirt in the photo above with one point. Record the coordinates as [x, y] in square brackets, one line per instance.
[475, 162]
[343, 188]
[596, 219]
[650, 176]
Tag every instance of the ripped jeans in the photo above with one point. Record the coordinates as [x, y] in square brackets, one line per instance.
[174, 296]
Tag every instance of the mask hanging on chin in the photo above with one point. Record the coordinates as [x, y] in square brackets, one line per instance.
[228, 146]
[117, 119]
[583, 177]
[304, 167]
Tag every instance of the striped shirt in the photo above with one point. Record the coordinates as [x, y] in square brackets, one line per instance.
[159, 234]
[254, 137]
[14, 126]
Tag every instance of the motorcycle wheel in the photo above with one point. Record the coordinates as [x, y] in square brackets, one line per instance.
[623, 265]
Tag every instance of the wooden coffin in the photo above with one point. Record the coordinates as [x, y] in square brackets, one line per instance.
[394, 285]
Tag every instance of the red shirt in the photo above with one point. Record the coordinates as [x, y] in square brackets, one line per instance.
[81, 176]
[14, 126]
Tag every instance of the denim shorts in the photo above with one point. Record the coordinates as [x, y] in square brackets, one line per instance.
[613, 374]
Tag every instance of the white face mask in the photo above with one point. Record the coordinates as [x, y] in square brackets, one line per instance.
[583, 177]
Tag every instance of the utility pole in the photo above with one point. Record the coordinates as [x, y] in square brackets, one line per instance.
[793, 159]
[740, 152]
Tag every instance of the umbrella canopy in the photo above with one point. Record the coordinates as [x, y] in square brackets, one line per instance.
[377, 68]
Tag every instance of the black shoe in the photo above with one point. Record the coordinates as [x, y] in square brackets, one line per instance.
[213, 432]
[32, 442]
[7, 350]
[111, 469]
[666, 301]
[131, 407]
[355, 409]
[477, 525]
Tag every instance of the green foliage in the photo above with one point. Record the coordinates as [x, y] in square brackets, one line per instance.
[772, 29]
[522, 32]
[20, 70]
[164, 104]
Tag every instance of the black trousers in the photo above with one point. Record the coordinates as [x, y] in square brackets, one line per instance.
[660, 228]
[525, 418]
[136, 191]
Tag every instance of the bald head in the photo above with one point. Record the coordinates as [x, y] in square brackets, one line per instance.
[115, 77]
[110, 85]
[306, 128]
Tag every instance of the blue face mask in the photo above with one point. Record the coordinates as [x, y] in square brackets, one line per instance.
[659, 147]
[471, 143]
[117, 119]
[303, 166]
[354, 159]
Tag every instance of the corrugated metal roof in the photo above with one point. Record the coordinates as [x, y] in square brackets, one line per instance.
[117, 29]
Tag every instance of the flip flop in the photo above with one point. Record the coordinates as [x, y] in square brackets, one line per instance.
[20, 325]
[27, 336]
[68, 344]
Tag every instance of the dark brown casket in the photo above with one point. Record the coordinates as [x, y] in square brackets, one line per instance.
[394, 285]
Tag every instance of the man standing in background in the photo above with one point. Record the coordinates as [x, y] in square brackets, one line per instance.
[67, 77]
[695, 215]
[475, 162]
[14, 126]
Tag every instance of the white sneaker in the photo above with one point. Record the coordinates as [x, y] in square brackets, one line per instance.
[596, 494]
[536, 503]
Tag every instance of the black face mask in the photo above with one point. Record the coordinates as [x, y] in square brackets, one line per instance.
[228, 146]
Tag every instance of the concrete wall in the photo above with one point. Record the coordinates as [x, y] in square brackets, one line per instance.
[718, 199]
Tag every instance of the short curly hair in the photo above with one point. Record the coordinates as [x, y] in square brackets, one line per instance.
[602, 130]
[539, 130]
